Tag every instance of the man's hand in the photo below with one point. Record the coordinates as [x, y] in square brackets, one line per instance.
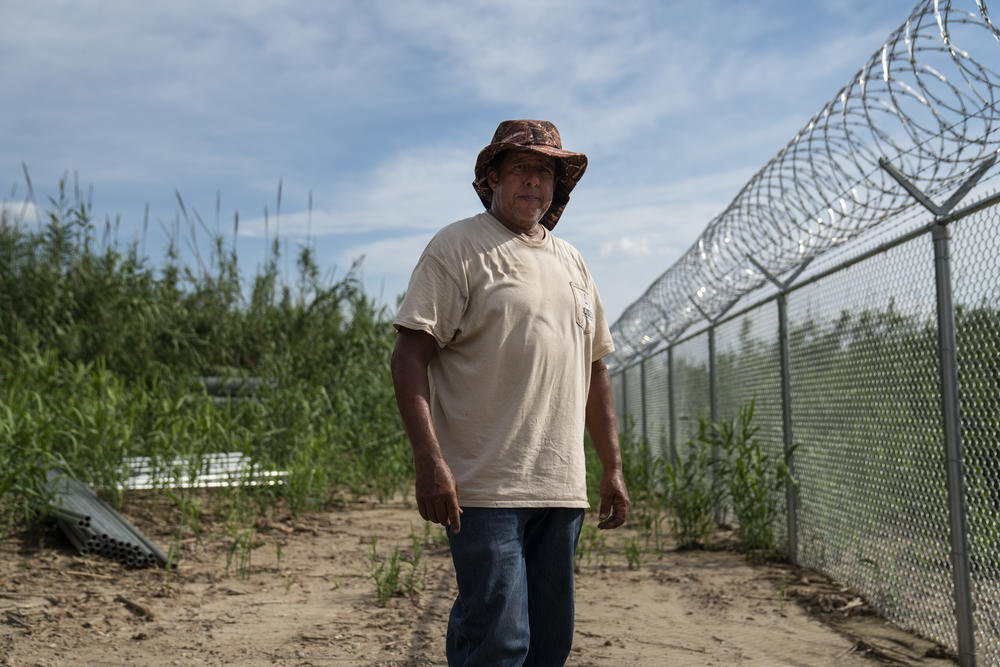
[437, 495]
[615, 502]
[603, 429]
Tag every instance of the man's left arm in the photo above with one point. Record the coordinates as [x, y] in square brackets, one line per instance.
[603, 428]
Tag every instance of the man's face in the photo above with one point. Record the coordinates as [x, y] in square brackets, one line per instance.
[522, 189]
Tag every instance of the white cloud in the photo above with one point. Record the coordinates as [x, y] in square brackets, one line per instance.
[19, 213]
[628, 247]
[387, 264]
[563, 73]
[423, 188]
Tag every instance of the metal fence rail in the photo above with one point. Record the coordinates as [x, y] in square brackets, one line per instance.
[852, 291]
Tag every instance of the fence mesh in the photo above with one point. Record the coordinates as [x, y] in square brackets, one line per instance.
[692, 400]
[657, 409]
[747, 358]
[867, 419]
[977, 292]
[633, 398]
[618, 392]
[867, 422]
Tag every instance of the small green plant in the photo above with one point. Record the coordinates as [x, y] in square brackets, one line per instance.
[387, 574]
[692, 497]
[592, 547]
[171, 564]
[642, 468]
[752, 478]
[190, 511]
[633, 552]
[437, 537]
[659, 534]
[415, 579]
[241, 550]
[417, 543]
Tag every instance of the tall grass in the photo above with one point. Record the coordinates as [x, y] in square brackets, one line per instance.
[100, 352]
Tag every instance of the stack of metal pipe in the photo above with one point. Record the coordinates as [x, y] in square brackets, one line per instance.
[225, 390]
[94, 527]
[224, 469]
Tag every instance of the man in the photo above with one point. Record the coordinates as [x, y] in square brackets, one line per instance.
[497, 368]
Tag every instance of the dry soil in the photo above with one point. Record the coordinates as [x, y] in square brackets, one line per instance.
[307, 598]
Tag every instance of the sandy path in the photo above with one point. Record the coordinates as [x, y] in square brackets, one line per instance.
[314, 603]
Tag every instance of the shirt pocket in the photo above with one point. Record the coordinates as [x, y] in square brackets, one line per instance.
[584, 307]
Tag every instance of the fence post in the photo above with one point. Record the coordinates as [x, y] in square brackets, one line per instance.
[950, 406]
[785, 360]
[625, 412]
[713, 378]
[671, 411]
[953, 446]
[713, 411]
[618, 378]
[787, 433]
[642, 399]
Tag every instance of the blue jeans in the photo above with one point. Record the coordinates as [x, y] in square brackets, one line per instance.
[515, 586]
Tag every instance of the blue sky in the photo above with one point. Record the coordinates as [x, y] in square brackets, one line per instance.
[379, 109]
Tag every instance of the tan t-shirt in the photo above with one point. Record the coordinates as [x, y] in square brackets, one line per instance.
[518, 324]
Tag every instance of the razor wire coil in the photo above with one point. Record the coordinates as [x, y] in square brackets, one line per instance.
[925, 100]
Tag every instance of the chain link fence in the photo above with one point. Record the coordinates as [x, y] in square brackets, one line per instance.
[862, 319]
[866, 421]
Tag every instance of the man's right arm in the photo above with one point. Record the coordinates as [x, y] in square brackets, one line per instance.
[437, 495]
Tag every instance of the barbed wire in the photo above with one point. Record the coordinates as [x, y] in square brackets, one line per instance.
[925, 100]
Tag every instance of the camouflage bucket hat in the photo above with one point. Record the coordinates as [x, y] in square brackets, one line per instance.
[539, 136]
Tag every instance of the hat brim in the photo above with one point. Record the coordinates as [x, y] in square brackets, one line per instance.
[571, 168]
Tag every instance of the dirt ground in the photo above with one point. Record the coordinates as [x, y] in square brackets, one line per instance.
[307, 598]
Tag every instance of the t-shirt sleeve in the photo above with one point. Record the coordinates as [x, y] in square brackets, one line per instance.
[435, 301]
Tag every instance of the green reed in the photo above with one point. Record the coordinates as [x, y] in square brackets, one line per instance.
[100, 352]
